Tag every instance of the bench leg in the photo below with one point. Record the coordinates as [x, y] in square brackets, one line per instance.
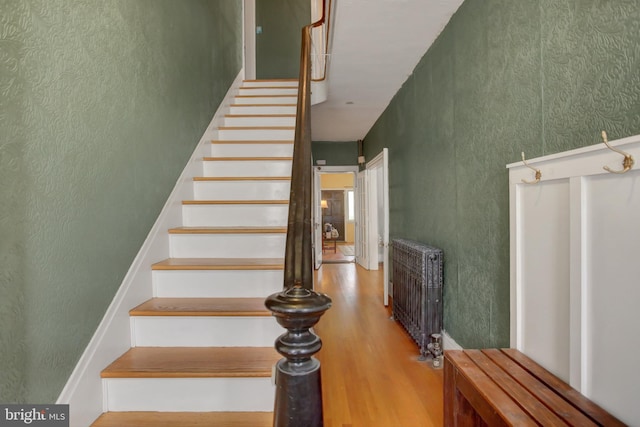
[458, 412]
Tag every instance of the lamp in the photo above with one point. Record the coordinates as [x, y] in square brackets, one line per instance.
[324, 204]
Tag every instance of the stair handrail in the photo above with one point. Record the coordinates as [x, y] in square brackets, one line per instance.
[298, 400]
[325, 23]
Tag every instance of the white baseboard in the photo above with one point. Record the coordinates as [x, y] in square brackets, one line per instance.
[83, 391]
[449, 343]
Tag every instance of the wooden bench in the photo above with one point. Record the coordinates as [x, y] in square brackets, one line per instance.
[506, 388]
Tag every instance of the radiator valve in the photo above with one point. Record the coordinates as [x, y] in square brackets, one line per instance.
[435, 348]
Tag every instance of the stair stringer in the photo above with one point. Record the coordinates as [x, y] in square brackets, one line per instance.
[84, 388]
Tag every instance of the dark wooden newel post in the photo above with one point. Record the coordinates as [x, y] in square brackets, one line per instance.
[298, 388]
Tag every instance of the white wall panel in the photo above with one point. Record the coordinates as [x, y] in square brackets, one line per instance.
[544, 215]
[612, 341]
[575, 288]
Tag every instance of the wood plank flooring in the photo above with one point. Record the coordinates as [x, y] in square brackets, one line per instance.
[185, 419]
[370, 369]
[193, 362]
[201, 307]
[220, 264]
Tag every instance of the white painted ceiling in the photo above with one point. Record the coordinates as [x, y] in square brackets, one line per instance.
[376, 45]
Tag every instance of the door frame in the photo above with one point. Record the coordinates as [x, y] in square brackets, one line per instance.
[249, 39]
[379, 165]
[361, 238]
[317, 211]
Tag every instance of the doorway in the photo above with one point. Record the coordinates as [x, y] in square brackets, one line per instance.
[334, 214]
[333, 208]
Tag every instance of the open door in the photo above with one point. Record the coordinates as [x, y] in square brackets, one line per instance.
[317, 220]
[378, 190]
[362, 233]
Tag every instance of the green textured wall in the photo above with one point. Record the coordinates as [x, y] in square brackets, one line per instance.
[102, 103]
[505, 76]
[335, 153]
[278, 47]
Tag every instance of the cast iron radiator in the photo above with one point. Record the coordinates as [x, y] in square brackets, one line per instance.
[417, 290]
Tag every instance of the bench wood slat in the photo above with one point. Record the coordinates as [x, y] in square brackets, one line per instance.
[491, 403]
[503, 387]
[595, 412]
[538, 392]
[519, 391]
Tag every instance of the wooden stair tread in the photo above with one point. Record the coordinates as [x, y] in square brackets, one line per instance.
[232, 116]
[220, 264]
[267, 96]
[193, 362]
[227, 230]
[250, 141]
[263, 105]
[235, 202]
[242, 178]
[184, 419]
[243, 159]
[267, 87]
[256, 127]
[282, 79]
[201, 307]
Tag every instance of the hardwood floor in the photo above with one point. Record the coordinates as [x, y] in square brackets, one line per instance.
[329, 256]
[371, 376]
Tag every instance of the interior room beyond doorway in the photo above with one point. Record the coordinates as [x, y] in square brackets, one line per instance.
[338, 216]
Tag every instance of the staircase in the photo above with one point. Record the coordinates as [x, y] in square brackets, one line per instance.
[202, 347]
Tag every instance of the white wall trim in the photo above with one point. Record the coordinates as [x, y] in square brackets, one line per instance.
[84, 389]
[334, 169]
[249, 38]
[449, 343]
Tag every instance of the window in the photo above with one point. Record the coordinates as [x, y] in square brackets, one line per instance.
[351, 206]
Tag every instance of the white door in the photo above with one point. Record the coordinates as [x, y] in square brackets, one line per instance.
[373, 234]
[362, 246]
[317, 220]
[379, 182]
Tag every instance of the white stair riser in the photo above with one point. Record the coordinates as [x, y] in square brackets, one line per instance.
[204, 331]
[265, 100]
[267, 109]
[189, 394]
[260, 83]
[241, 190]
[243, 91]
[252, 150]
[217, 283]
[260, 121]
[234, 215]
[244, 168]
[266, 245]
[257, 134]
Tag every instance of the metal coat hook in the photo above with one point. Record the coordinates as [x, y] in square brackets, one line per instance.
[628, 161]
[537, 171]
